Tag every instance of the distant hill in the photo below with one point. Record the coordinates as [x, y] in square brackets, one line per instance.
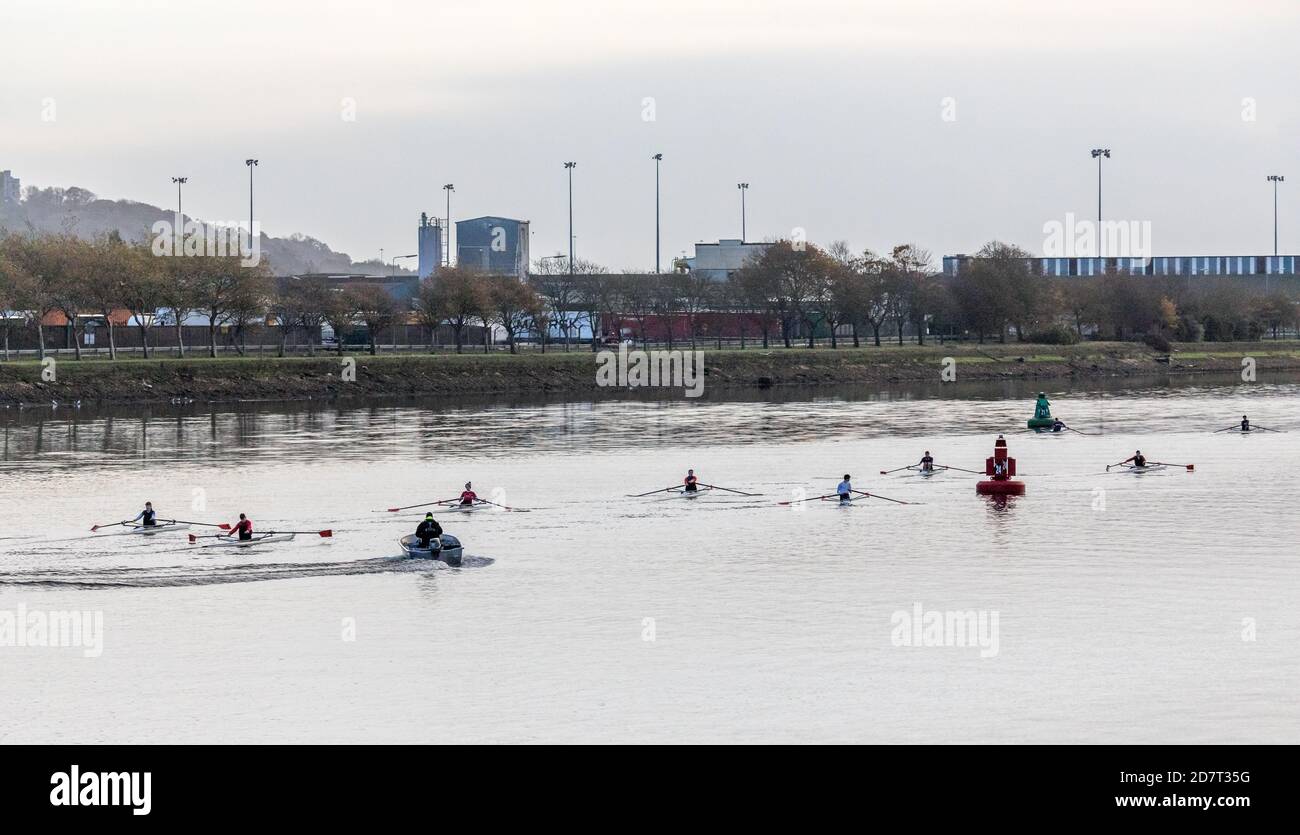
[82, 213]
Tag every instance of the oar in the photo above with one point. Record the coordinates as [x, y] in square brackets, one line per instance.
[896, 469]
[410, 506]
[107, 525]
[1265, 428]
[1120, 464]
[652, 492]
[503, 507]
[960, 469]
[878, 496]
[812, 499]
[225, 526]
[729, 490]
[1228, 429]
[1189, 467]
[196, 537]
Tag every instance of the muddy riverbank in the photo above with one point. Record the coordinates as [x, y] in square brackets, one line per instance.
[96, 381]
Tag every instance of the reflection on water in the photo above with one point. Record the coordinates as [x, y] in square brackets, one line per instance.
[287, 432]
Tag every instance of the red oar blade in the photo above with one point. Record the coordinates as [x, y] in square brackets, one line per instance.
[224, 526]
[193, 539]
[325, 533]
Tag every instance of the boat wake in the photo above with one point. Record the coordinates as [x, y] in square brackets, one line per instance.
[189, 575]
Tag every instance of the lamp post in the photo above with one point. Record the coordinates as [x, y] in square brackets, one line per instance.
[1098, 154]
[1275, 179]
[449, 188]
[251, 163]
[744, 187]
[180, 214]
[570, 166]
[658, 158]
[397, 258]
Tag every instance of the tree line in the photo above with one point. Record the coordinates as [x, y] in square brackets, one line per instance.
[792, 293]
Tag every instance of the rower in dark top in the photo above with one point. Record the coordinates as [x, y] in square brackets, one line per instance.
[148, 518]
[1058, 425]
[428, 531]
[1245, 424]
[468, 497]
[690, 483]
[927, 462]
[243, 529]
[1139, 460]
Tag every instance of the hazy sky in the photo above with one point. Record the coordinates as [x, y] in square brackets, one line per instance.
[834, 112]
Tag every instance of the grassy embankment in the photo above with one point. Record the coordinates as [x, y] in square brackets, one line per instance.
[298, 378]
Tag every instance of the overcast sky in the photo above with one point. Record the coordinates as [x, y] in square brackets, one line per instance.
[834, 112]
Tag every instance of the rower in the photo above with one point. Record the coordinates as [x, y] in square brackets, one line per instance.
[927, 462]
[1245, 424]
[428, 531]
[845, 490]
[690, 483]
[1058, 425]
[147, 517]
[1139, 460]
[468, 497]
[243, 528]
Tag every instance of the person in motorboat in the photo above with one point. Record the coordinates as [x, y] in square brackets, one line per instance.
[927, 462]
[1058, 425]
[690, 484]
[243, 529]
[1138, 459]
[468, 497]
[1245, 424]
[845, 490]
[429, 533]
[148, 518]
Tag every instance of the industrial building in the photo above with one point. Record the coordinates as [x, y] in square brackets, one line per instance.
[1195, 265]
[719, 260]
[430, 237]
[494, 245]
[10, 189]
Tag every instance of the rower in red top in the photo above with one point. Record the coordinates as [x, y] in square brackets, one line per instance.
[691, 483]
[468, 497]
[243, 528]
[1138, 460]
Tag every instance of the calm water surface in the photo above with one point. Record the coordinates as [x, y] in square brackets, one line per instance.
[1125, 603]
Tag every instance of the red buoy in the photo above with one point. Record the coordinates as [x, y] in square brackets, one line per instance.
[1000, 469]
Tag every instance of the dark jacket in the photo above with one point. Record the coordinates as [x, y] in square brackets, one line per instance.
[428, 530]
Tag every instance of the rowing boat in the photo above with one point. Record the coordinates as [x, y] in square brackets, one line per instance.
[258, 539]
[688, 494]
[1149, 468]
[449, 551]
[149, 530]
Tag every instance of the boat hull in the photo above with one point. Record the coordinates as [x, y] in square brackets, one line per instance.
[450, 552]
[258, 539]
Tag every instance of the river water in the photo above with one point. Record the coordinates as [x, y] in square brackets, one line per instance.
[1154, 607]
